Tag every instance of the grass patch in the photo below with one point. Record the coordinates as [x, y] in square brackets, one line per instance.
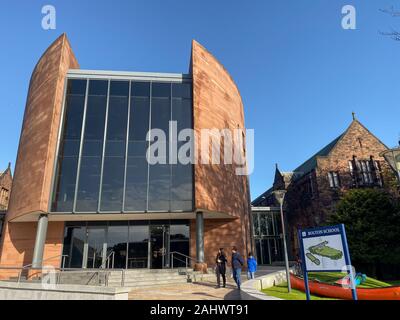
[332, 277]
[280, 291]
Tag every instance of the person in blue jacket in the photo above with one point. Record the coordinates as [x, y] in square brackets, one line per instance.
[251, 266]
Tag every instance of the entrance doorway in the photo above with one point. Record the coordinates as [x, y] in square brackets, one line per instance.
[95, 247]
[126, 244]
[159, 247]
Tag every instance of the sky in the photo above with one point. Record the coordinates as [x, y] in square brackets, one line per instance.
[300, 74]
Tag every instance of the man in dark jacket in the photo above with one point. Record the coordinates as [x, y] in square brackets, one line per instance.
[237, 264]
[220, 269]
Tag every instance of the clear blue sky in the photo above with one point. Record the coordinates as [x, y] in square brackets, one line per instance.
[300, 74]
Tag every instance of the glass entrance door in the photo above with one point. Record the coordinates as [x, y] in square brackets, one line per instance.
[159, 247]
[96, 247]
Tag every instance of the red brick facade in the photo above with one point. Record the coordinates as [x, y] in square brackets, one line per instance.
[217, 104]
[35, 160]
[37, 145]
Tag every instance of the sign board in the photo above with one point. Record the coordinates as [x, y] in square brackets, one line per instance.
[325, 249]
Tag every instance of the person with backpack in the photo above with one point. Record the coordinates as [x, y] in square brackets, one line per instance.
[237, 264]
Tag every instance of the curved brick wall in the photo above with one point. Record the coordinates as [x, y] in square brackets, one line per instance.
[34, 166]
[36, 152]
[217, 104]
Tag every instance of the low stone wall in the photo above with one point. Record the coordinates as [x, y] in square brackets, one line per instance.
[251, 290]
[36, 291]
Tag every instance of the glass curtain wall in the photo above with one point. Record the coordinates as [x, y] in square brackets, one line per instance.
[102, 165]
[267, 234]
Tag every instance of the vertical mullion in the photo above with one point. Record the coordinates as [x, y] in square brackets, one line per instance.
[126, 147]
[104, 147]
[78, 170]
[148, 147]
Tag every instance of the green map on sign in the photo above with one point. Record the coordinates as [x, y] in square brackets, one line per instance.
[323, 250]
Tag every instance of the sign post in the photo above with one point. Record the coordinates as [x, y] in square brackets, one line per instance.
[325, 249]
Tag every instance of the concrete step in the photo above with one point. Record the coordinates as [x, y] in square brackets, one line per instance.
[171, 277]
[149, 283]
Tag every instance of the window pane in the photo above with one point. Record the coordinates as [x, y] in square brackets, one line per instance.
[159, 187]
[182, 90]
[113, 184]
[182, 113]
[136, 185]
[139, 118]
[64, 186]
[138, 246]
[114, 161]
[141, 89]
[161, 90]
[137, 169]
[117, 241]
[78, 239]
[89, 179]
[161, 114]
[181, 179]
[89, 182]
[179, 232]
[182, 188]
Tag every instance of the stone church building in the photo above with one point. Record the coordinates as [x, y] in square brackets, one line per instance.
[5, 188]
[352, 160]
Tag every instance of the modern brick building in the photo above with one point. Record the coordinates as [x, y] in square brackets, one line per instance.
[83, 188]
[352, 160]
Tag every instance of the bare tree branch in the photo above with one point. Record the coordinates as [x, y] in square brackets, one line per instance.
[391, 11]
[395, 35]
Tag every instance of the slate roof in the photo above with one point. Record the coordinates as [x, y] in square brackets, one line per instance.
[311, 163]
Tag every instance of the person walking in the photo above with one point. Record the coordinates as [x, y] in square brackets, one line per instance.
[251, 266]
[237, 264]
[220, 268]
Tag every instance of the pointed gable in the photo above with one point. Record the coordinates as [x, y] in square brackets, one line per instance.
[357, 140]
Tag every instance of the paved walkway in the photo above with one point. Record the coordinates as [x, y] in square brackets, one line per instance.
[197, 291]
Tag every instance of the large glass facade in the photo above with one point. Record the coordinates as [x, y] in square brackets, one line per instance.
[102, 164]
[126, 244]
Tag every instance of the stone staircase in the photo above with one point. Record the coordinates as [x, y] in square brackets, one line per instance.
[135, 278]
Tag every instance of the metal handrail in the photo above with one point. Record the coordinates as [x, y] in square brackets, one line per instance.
[107, 261]
[187, 258]
[96, 272]
[57, 256]
[29, 266]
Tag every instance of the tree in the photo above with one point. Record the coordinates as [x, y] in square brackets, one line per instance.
[372, 221]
